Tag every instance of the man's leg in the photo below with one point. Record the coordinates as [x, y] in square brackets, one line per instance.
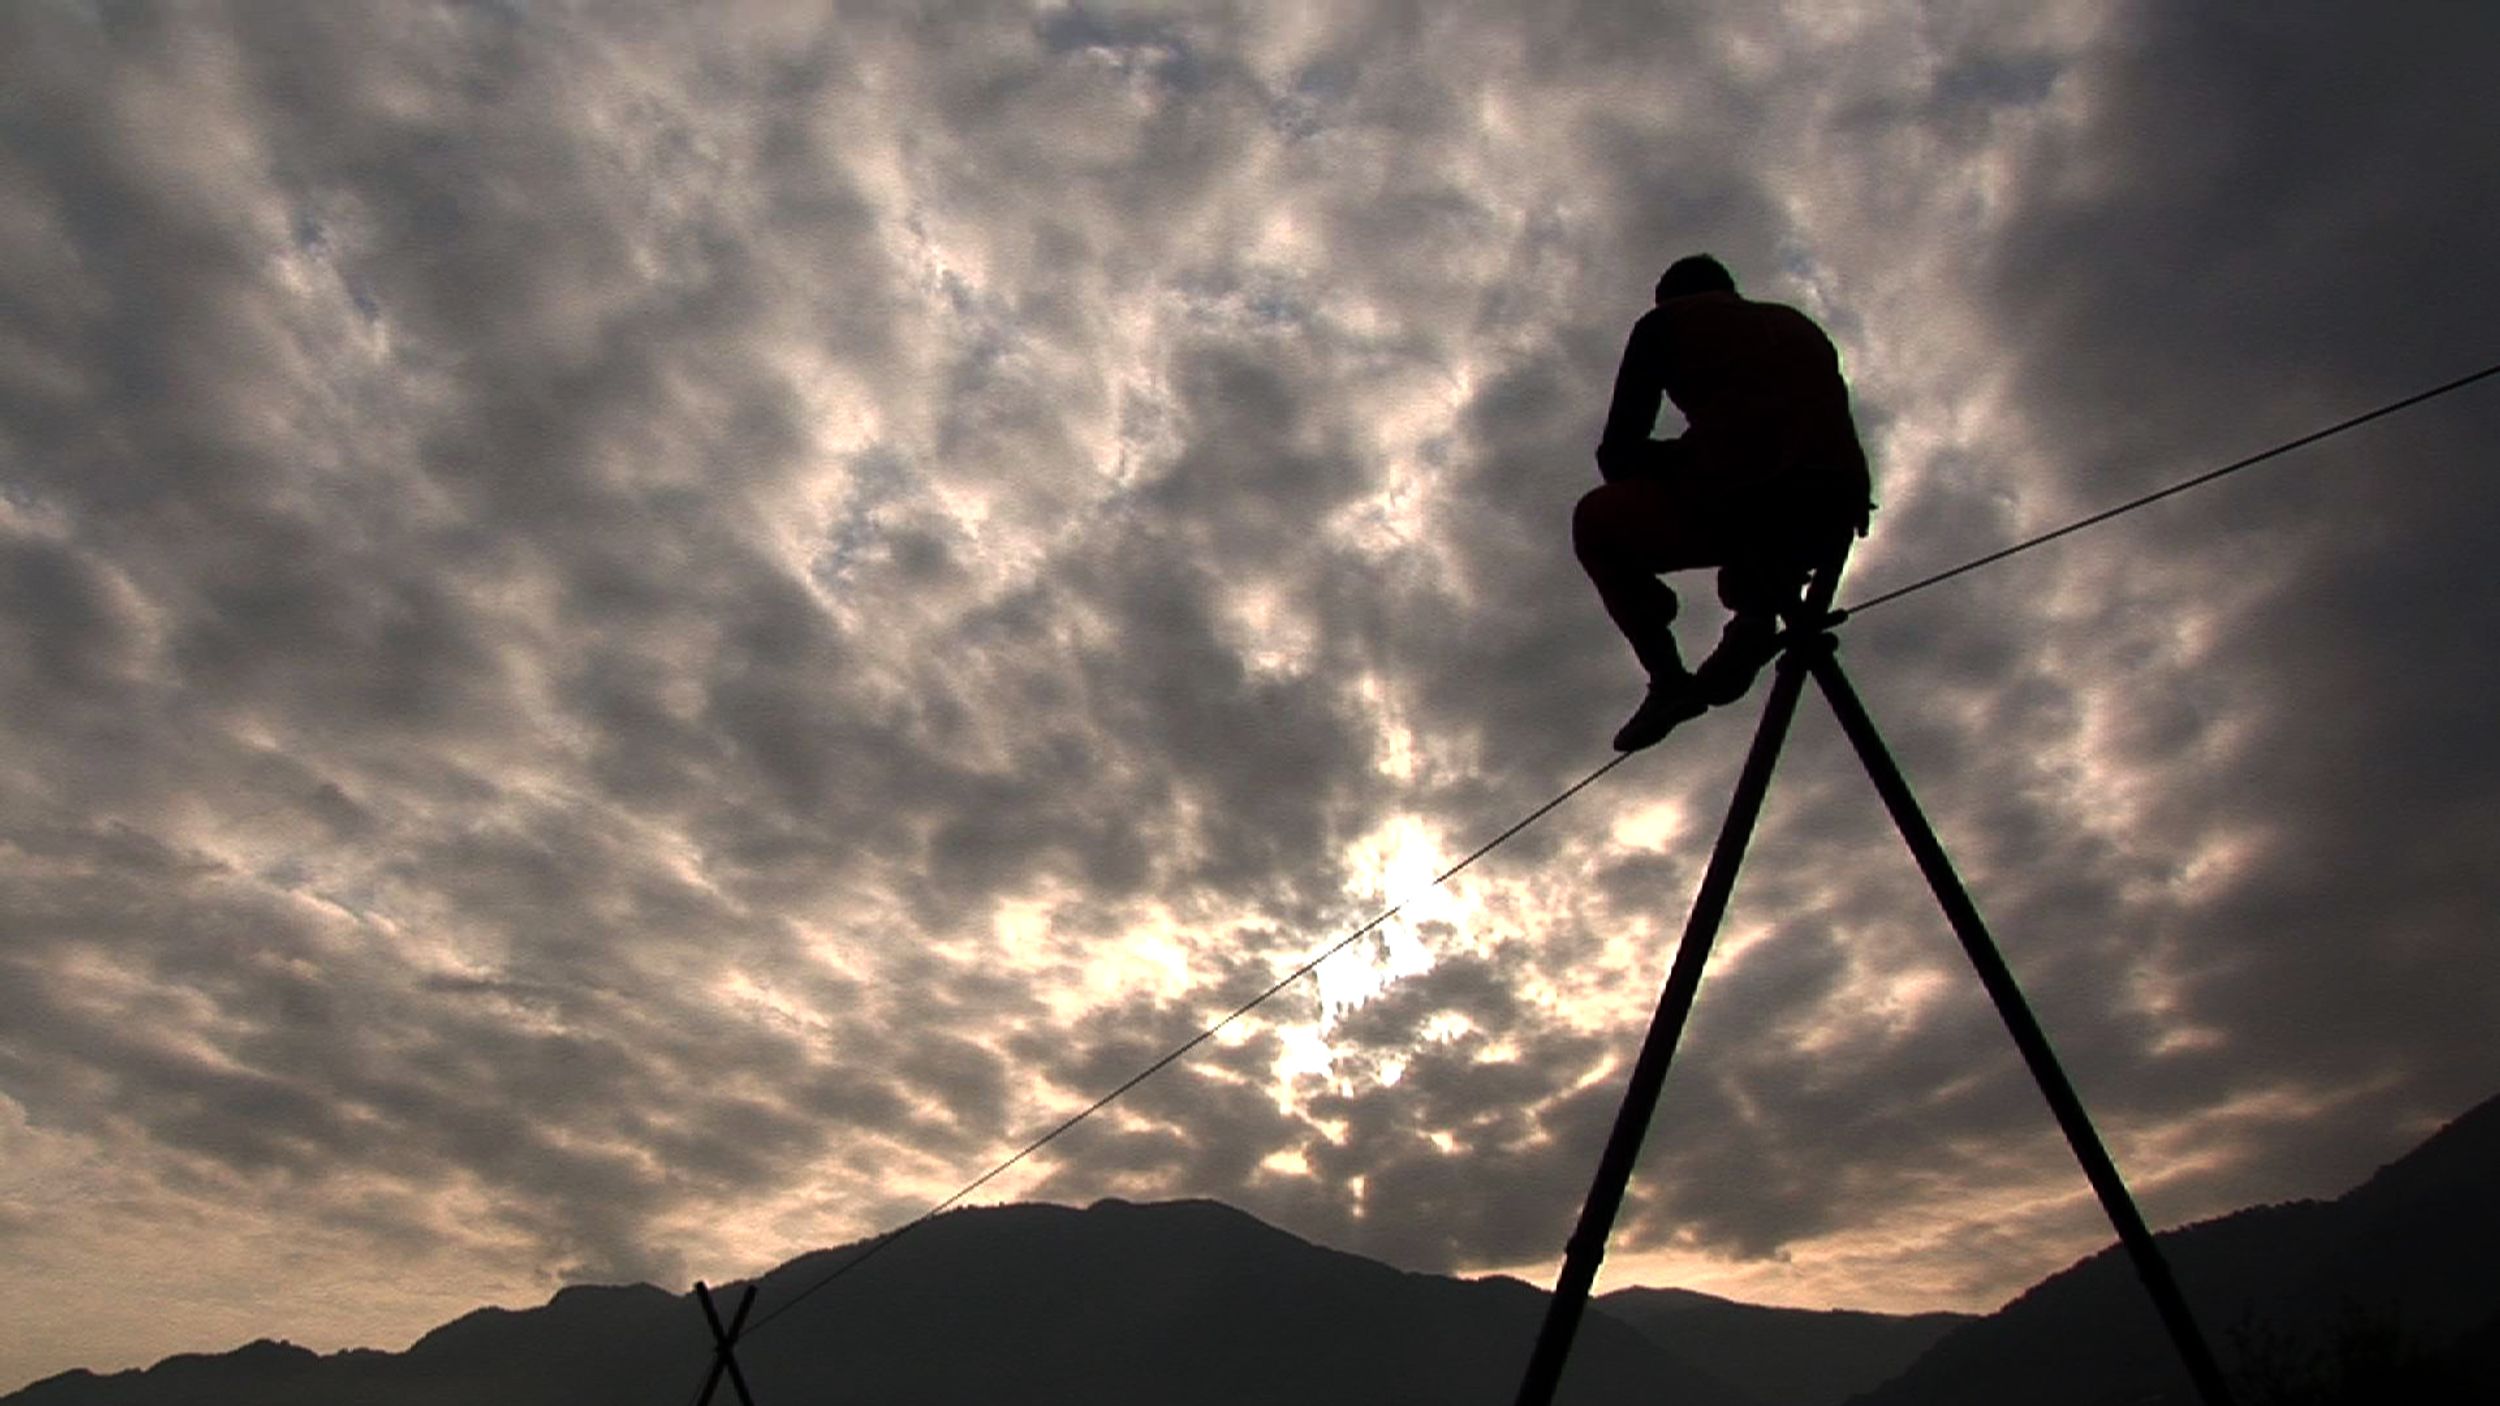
[1761, 583]
[1754, 589]
[1626, 533]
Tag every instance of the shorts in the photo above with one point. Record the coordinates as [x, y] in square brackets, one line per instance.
[1763, 534]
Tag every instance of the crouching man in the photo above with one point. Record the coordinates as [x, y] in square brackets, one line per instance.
[1766, 483]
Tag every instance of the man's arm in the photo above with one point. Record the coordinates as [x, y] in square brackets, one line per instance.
[1640, 382]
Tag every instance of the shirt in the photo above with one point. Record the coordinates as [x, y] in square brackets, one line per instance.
[1761, 392]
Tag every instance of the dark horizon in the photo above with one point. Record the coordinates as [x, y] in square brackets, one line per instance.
[2388, 1292]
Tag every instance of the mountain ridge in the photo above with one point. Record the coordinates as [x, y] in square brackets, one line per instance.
[2389, 1293]
[2382, 1289]
[1035, 1303]
[1784, 1356]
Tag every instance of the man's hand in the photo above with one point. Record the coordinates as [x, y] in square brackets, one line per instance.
[1631, 458]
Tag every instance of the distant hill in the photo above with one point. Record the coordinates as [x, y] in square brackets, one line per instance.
[1784, 1356]
[2387, 1295]
[1182, 1303]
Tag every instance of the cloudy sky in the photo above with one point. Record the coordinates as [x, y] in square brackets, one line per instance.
[634, 643]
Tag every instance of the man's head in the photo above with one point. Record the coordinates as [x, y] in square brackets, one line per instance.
[1695, 273]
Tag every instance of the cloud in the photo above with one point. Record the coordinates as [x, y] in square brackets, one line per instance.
[633, 647]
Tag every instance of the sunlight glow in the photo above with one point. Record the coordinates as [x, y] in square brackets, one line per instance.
[1398, 754]
[1288, 1162]
[1397, 862]
[1152, 954]
[1655, 826]
[1304, 1053]
[1275, 639]
[743, 992]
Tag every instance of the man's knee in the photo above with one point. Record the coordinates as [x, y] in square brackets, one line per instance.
[1590, 535]
[1611, 526]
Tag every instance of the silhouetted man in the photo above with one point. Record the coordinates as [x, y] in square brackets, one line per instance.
[1766, 483]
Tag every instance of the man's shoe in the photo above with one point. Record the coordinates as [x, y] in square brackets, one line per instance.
[1671, 700]
[1749, 642]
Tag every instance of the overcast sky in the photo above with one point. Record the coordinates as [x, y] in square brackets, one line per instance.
[634, 643]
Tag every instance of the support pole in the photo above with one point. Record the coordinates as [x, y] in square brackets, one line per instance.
[2172, 1305]
[725, 1345]
[1649, 1073]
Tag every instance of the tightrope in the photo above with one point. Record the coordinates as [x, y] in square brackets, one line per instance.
[2182, 486]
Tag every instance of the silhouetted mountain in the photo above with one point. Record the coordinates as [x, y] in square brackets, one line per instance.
[622, 1345]
[1188, 1302]
[2386, 1295]
[1784, 1356]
